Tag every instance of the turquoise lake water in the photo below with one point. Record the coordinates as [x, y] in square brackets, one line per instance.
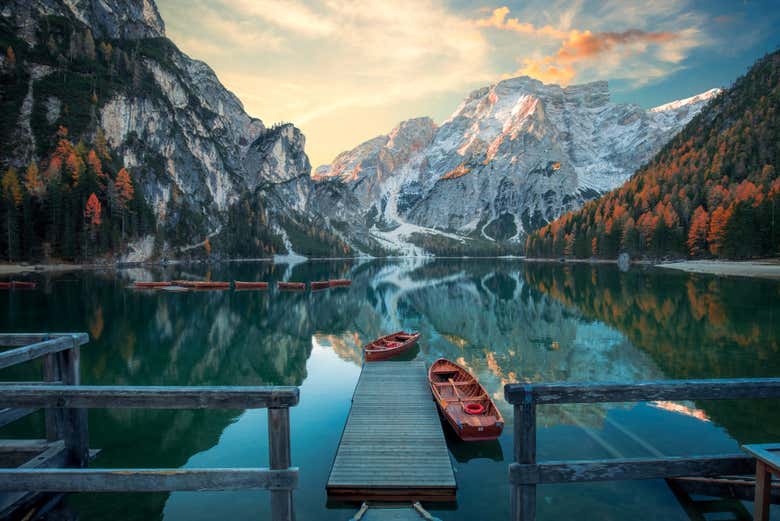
[507, 321]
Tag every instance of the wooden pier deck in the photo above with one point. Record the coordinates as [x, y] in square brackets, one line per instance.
[393, 446]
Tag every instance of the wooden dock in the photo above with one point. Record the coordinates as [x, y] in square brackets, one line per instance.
[393, 446]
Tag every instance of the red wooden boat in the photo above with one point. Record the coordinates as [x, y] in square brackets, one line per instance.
[339, 283]
[202, 284]
[389, 346]
[249, 285]
[298, 286]
[320, 284]
[18, 284]
[464, 402]
[143, 284]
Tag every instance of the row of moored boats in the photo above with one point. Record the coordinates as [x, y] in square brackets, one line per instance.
[461, 399]
[178, 285]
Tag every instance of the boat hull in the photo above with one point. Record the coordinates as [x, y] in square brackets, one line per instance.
[152, 285]
[320, 284]
[454, 388]
[379, 349]
[291, 286]
[336, 283]
[250, 285]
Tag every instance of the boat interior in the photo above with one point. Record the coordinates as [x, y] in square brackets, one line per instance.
[460, 389]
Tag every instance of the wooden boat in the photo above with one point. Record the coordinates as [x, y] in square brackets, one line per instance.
[389, 346]
[320, 284]
[298, 286]
[249, 285]
[204, 284]
[464, 402]
[339, 283]
[152, 285]
[18, 284]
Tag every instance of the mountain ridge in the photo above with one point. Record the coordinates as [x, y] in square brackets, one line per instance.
[518, 153]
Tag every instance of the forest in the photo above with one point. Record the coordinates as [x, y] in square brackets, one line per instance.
[713, 191]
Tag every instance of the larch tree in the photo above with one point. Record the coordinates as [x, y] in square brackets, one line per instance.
[697, 235]
[124, 194]
[32, 180]
[12, 199]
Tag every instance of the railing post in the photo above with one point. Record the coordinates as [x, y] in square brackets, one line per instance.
[524, 496]
[53, 417]
[75, 430]
[279, 458]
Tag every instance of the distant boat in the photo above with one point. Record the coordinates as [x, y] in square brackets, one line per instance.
[464, 402]
[320, 284]
[204, 284]
[18, 284]
[389, 346]
[339, 282]
[249, 285]
[297, 286]
[144, 284]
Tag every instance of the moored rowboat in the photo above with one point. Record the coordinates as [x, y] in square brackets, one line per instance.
[202, 284]
[463, 401]
[144, 284]
[389, 346]
[339, 282]
[320, 284]
[291, 285]
[249, 285]
[17, 284]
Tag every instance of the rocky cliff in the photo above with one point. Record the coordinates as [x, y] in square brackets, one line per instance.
[511, 157]
[105, 67]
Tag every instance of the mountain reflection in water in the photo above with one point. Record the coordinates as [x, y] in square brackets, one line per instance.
[506, 321]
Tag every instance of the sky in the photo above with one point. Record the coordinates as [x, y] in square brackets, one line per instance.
[346, 71]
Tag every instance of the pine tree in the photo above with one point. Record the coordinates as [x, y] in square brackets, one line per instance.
[12, 199]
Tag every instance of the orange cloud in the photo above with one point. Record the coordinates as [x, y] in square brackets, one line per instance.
[585, 44]
[582, 46]
[498, 20]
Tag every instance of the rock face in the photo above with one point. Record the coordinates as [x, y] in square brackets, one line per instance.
[186, 140]
[512, 156]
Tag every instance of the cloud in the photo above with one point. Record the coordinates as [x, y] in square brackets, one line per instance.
[587, 54]
[498, 20]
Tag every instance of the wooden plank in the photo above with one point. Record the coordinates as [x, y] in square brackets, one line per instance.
[668, 390]
[23, 339]
[524, 496]
[53, 455]
[145, 480]
[763, 491]
[279, 458]
[769, 453]
[8, 416]
[392, 447]
[742, 488]
[31, 352]
[75, 430]
[151, 397]
[630, 468]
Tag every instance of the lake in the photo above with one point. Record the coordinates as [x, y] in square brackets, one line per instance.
[505, 320]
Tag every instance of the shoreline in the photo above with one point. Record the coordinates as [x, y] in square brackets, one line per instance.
[759, 268]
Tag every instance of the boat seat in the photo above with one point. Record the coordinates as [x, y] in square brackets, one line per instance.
[452, 383]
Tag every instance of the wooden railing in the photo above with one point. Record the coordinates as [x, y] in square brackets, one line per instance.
[61, 460]
[526, 473]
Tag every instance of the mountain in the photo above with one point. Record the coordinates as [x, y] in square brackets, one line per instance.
[101, 73]
[713, 190]
[513, 156]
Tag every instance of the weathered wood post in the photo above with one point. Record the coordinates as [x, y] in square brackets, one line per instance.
[279, 458]
[75, 430]
[524, 496]
[53, 417]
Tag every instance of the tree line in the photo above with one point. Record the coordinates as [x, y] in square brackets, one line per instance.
[76, 204]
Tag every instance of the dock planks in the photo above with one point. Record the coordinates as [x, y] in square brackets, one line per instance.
[393, 446]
